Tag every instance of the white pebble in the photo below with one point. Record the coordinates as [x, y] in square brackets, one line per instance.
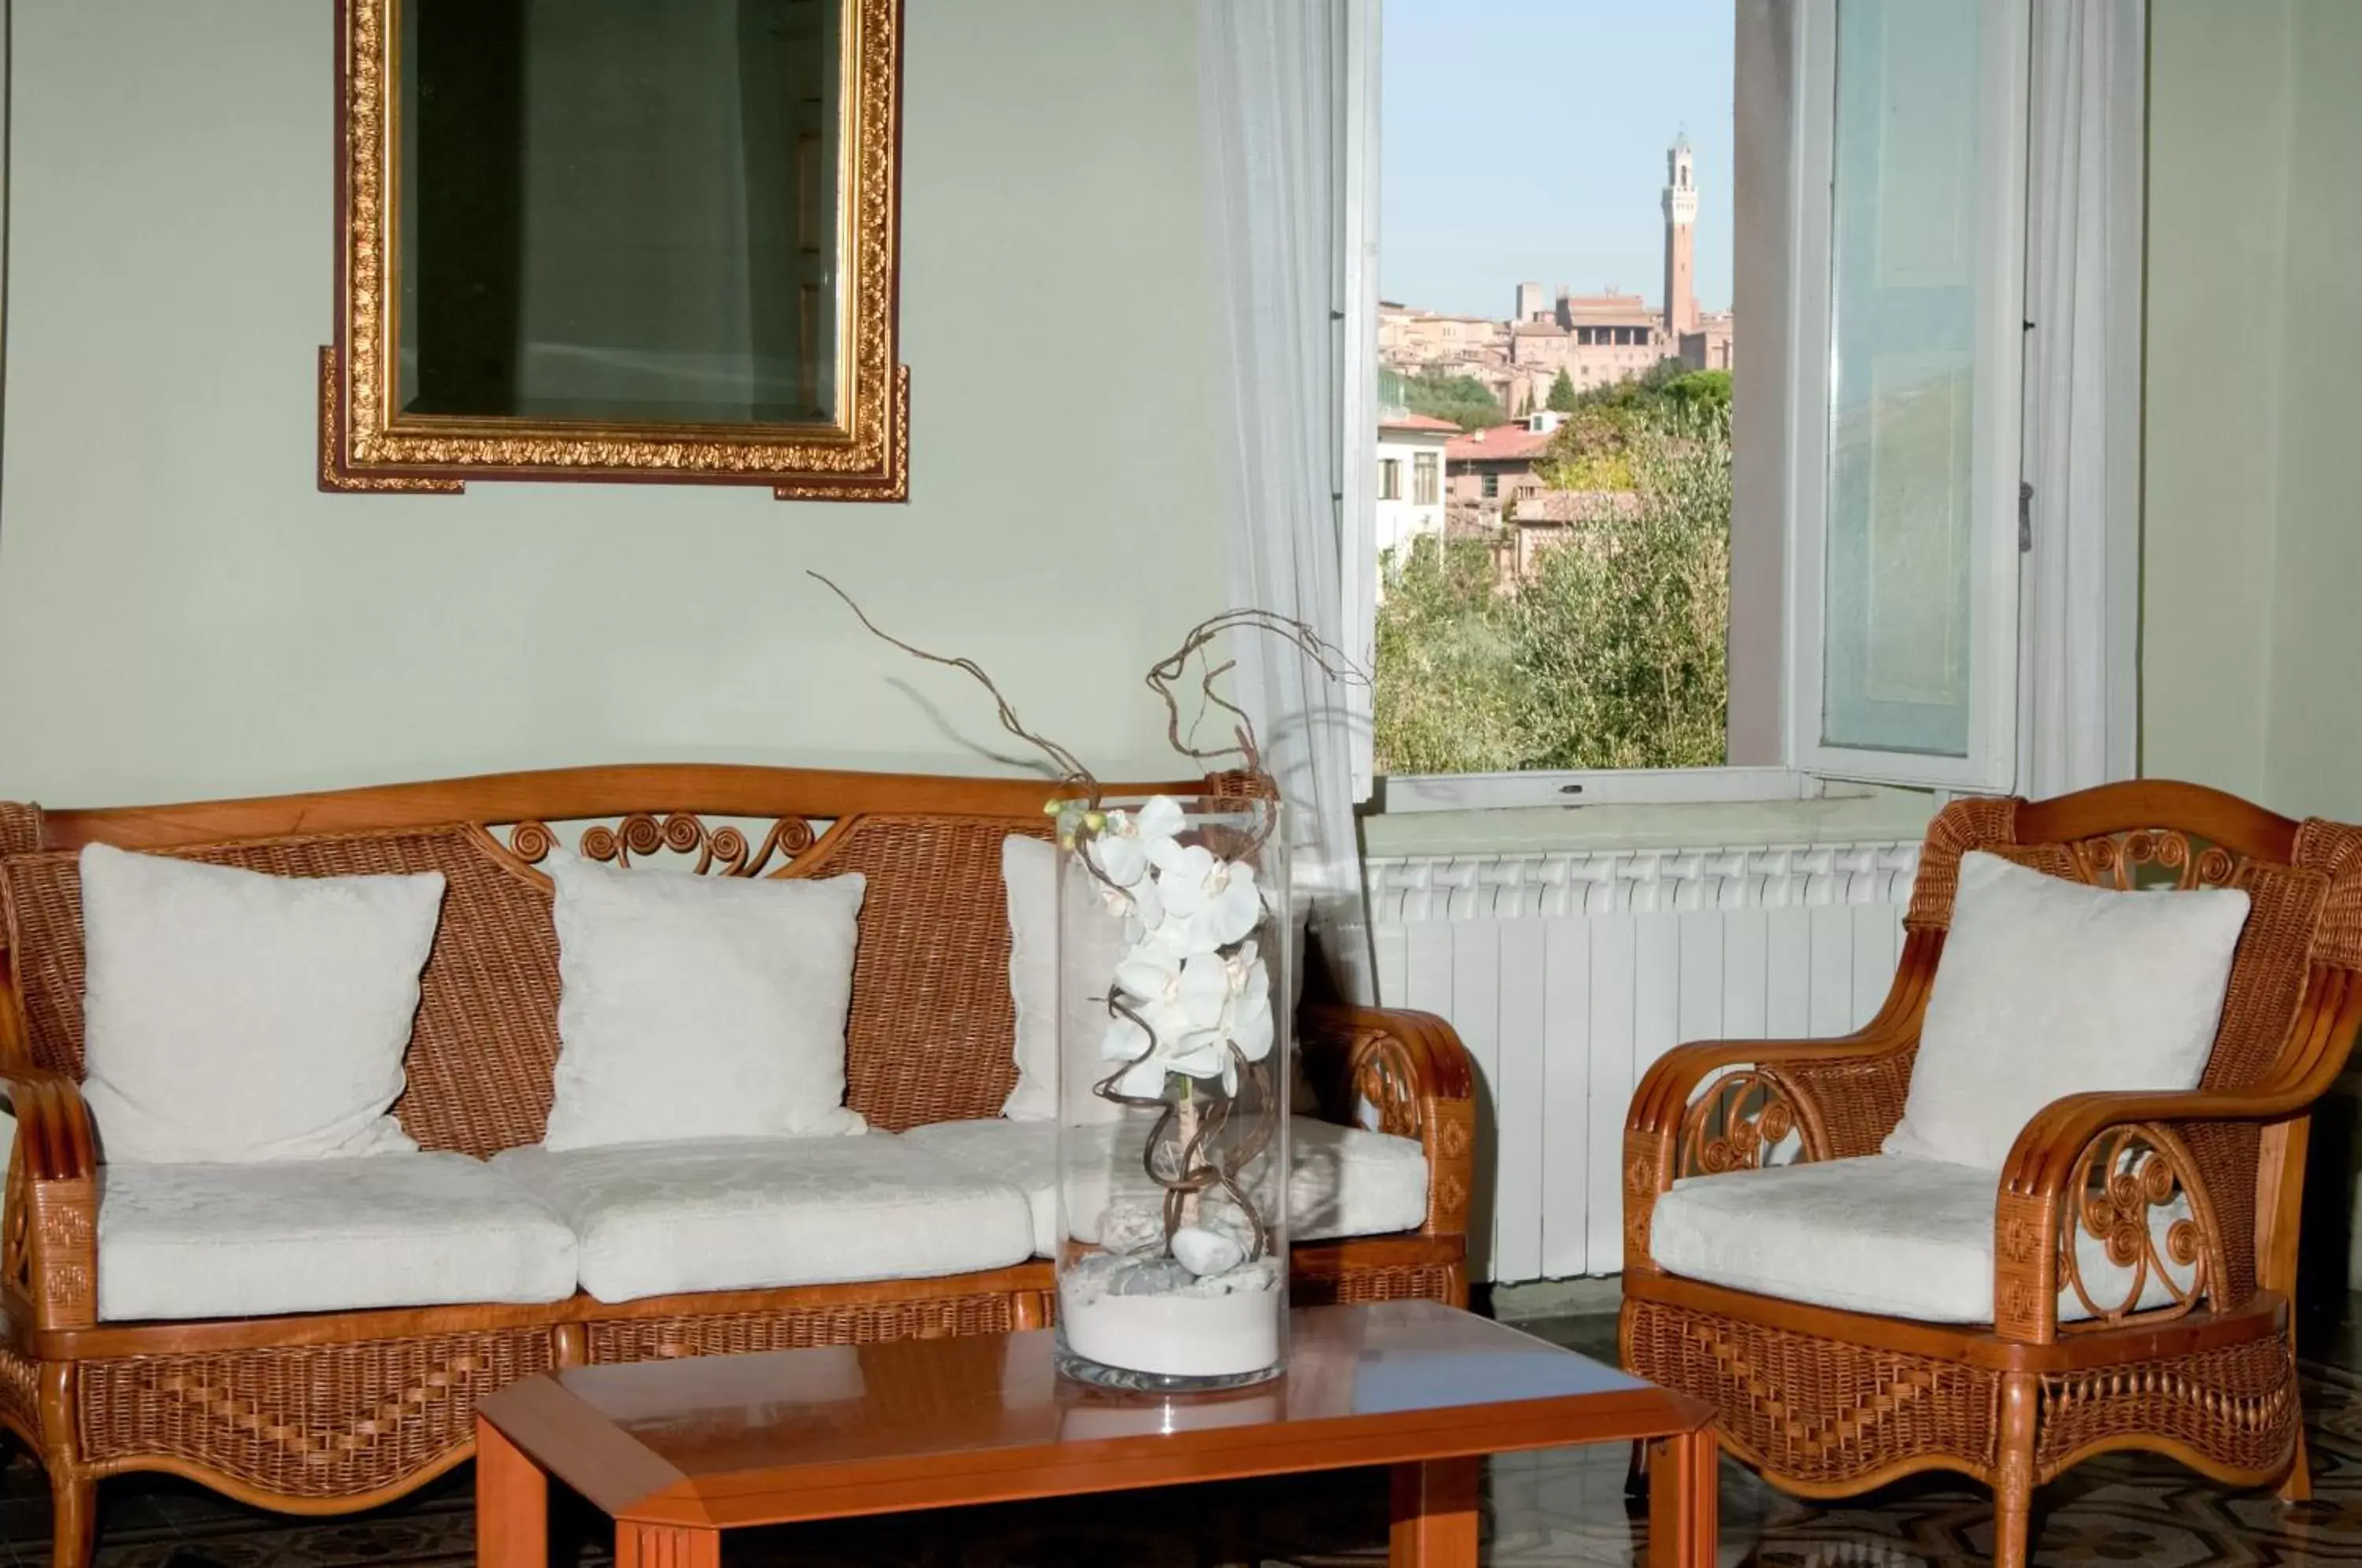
[1204, 1252]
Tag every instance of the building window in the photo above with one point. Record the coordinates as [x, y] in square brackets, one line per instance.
[1426, 484]
[1854, 557]
[1390, 478]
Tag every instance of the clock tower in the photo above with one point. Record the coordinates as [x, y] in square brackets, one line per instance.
[1681, 219]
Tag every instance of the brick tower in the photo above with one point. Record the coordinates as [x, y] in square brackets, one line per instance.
[1681, 219]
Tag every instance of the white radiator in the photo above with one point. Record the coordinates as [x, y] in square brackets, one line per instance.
[1567, 974]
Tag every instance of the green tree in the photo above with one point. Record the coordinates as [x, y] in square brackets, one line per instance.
[1593, 449]
[1699, 388]
[1611, 653]
[1463, 399]
[1562, 393]
[1622, 634]
[1449, 697]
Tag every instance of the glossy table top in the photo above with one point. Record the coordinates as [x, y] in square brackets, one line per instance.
[924, 1423]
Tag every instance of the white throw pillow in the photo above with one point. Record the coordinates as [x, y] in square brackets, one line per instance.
[2047, 988]
[1028, 875]
[698, 1007]
[230, 1016]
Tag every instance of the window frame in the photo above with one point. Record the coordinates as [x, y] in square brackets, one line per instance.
[1997, 449]
[1805, 771]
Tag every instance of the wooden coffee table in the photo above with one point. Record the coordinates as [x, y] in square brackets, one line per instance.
[677, 1451]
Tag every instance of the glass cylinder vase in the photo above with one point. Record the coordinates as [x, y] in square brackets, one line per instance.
[1176, 1042]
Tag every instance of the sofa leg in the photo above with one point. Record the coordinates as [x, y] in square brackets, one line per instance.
[2013, 1483]
[2297, 1485]
[73, 1505]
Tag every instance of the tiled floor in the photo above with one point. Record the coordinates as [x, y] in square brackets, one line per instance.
[1545, 1511]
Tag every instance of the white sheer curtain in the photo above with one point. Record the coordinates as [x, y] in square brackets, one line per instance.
[1272, 84]
[2079, 698]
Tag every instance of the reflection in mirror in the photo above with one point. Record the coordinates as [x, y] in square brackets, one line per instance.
[618, 212]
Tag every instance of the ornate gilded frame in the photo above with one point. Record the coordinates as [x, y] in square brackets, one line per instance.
[366, 446]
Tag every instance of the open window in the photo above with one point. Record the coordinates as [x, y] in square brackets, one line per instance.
[1754, 526]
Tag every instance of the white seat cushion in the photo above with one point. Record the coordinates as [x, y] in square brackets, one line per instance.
[240, 1241]
[1347, 1181]
[747, 1213]
[1903, 1238]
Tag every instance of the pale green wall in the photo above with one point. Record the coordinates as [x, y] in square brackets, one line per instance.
[2315, 754]
[183, 615]
[2217, 252]
[2252, 552]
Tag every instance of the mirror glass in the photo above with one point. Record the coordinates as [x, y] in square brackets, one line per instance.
[618, 212]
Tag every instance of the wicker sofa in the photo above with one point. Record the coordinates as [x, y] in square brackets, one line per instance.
[335, 1411]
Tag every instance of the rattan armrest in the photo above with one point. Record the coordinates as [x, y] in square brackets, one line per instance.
[1413, 1070]
[48, 1241]
[2104, 1162]
[1832, 1095]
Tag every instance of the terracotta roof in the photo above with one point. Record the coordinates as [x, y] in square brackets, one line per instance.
[1502, 444]
[1416, 421]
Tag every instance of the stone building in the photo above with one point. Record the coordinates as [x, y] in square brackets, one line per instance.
[1596, 339]
[1410, 478]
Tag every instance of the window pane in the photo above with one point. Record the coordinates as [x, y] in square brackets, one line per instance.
[1564, 314]
[1903, 284]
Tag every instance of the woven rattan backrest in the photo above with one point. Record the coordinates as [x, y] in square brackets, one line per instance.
[932, 1021]
[485, 1040]
[928, 1040]
[2305, 909]
[2276, 948]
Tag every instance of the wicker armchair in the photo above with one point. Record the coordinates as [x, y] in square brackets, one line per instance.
[1828, 1403]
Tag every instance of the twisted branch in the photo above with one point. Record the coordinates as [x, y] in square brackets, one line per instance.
[1198, 1165]
[1071, 771]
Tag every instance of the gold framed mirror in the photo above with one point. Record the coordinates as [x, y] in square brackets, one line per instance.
[601, 239]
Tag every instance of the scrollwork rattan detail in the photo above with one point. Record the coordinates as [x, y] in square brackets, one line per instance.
[2154, 858]
[1741, 1118]
[2125, 1182]
[1388, 1082]
[723, 851]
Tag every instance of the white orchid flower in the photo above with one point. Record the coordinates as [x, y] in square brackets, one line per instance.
[1246, 1017]
[1174, 1018]
[1209, 902]
[1141, 907]
[1115, 851]
[1121, 848]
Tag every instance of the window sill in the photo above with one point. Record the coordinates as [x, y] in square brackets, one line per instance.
[1872, 813]
[1593, 787]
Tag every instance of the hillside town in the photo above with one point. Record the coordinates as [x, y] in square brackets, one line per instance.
[1485, 473]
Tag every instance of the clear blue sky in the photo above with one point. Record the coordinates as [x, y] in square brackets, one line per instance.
[1524, 140]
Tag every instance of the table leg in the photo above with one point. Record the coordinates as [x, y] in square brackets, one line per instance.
[511, 1504]
[1684, 1501]
[665, 1546]
[1435, 1514]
